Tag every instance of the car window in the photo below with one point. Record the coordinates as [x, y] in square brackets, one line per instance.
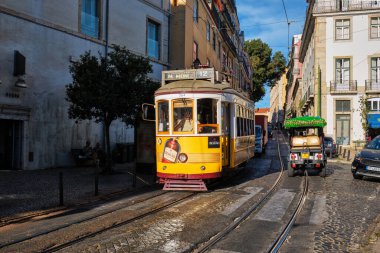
[374, 144]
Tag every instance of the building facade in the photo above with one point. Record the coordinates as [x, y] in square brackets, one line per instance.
[278, 101]
[38, 40]
[207, 33]
[340, 56]
[294, 77]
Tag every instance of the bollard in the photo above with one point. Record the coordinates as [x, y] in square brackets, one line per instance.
[331, 154]
[60, 189]
[340, 150]
[344, 153]
[348, 155]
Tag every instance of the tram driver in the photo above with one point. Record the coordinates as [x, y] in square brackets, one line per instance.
[185, 124]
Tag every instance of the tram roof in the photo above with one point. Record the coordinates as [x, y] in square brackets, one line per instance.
[196, 86]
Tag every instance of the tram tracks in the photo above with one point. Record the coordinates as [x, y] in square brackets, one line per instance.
[280, 239]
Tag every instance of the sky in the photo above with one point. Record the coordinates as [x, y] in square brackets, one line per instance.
[266, 20]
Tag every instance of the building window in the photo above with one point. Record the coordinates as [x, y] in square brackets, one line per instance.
[342, 29]
[343, 106]
[195, 51]
[374, 104]
[342, 71]
[218, 49]
[375, 69]
[90, 18]
[195, 11]
[375, 27]
[208, 62]
[213, 41]
[153, 43]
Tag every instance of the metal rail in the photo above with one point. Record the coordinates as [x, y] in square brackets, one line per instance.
[206, 246]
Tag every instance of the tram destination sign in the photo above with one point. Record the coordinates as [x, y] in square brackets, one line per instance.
[177, 75]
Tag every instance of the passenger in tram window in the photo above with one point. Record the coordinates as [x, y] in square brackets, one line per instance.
[185, 124]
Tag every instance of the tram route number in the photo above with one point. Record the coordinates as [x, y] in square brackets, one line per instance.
[170, 154]
[213, 142]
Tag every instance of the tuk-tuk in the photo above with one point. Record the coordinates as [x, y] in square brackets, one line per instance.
[306, 144]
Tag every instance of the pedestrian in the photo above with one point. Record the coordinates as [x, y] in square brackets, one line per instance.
[87, 150]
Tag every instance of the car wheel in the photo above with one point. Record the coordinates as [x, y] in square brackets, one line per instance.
[323, 172]
[290, 171]
[356, 176]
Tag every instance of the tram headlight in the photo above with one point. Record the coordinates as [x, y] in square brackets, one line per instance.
[203, 167]
[182, 157]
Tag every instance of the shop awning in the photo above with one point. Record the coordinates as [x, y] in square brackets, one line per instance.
[374, 120]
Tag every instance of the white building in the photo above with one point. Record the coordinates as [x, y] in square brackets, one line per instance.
[38, 39]
[340, 53]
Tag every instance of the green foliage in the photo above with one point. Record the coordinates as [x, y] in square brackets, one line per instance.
[105, 89]
[108, 88]
[267, 70]
[304, 121]
[364, 109]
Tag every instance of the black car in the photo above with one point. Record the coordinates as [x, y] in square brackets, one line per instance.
[367, 161]
[330, 146]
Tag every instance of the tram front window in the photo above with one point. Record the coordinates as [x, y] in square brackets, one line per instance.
[163, 116]
[183, 115]
[207, 115]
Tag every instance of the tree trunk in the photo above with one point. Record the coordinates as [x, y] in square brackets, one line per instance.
[108, 167]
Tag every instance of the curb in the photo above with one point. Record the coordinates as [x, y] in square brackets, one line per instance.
[339, 161]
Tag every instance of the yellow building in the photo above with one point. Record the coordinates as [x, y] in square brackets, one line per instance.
[209, 31]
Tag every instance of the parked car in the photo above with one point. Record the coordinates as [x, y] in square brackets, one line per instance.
[367, 161]
[330, 146]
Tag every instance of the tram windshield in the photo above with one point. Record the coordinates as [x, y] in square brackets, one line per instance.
[163, 116]
[207, 115]
[183, 115]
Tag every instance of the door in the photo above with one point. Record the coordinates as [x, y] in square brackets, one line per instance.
[10, 144]
[343, 129]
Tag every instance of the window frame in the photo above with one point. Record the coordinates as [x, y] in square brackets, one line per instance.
[342, 28]
[376, 26]
[158, 116]
[342, 76]
[195, 11]
[96, 32]
[158, 27]
[208, 31]
[195, 50]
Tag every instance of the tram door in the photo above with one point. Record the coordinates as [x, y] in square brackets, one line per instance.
[226, 132]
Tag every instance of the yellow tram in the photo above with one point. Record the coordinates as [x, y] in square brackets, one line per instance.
[203, 128]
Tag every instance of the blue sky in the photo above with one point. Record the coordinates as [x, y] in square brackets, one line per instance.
[265, 19]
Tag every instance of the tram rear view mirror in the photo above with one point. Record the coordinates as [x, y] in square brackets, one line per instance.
[148, 112]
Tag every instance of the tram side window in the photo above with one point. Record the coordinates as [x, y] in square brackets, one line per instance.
[207, 115]
[183, 115]
[163, 116]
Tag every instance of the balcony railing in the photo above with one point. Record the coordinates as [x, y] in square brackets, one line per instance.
[372, 85]
[228, 40]
[326, 6]
[343, 86]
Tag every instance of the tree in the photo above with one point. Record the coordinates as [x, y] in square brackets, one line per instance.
[364, 109]
[106, 88]
[267, 70]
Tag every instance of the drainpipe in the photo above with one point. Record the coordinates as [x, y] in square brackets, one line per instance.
[169, 34]
[319, 92]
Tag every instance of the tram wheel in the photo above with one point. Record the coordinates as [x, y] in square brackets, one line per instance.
[290, 171]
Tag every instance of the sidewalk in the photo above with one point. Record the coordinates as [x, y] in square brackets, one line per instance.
[34, 190]
[345, 159]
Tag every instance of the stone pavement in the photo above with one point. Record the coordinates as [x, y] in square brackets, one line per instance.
[26, 191]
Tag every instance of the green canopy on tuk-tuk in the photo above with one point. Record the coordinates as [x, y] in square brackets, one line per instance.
[305, 121]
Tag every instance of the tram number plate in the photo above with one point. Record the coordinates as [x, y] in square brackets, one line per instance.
[373, 168]
[305, 155]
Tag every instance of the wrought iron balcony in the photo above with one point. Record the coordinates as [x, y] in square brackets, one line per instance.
[372, 85]
[343, 86]
[228, 40]
[326, 6]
